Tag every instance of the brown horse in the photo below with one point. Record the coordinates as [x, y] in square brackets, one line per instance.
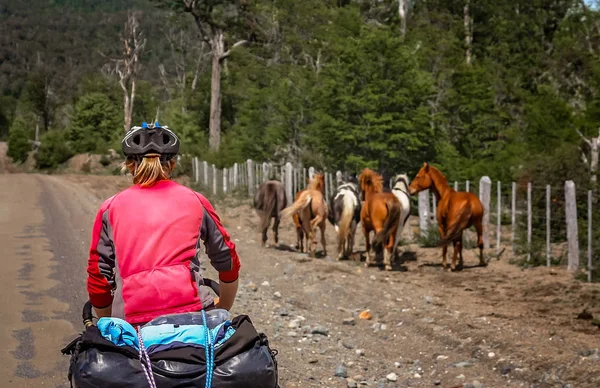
[299, 232]
[269, 201]
[380, 213]
[311, 208]
[456, 211]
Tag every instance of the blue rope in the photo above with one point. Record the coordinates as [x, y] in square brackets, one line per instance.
[210, 353]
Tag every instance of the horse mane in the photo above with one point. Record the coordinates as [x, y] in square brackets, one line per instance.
[317, 183]
[370, 181]
[438, 176]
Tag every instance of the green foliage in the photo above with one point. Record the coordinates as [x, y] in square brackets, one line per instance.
[53, 150]
[431, 238]
[18, 140]
[94, 124]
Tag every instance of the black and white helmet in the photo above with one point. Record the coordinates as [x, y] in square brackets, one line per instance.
[148, 139]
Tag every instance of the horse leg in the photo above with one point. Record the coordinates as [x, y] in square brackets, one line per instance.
[456, 244]
[323, 242]
[388, 251]
[479, 229]
[461, 260]
[369, 259]
[350, 239]
[444, 250]
[276, 229]
[264, 232]
[341, 243]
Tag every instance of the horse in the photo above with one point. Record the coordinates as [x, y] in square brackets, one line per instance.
[312, 210]
[380, 213]
[456, 211]
[400, 190]
[269, 201]
[298, 225]
[344, 215]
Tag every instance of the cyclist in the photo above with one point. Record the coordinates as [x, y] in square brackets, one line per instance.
[144, 254]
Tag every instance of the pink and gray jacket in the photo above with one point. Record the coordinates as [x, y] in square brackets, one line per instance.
[144, 256]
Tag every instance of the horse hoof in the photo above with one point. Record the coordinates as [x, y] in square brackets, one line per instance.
[388, 268]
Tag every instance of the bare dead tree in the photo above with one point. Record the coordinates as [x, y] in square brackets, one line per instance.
[213, 34]
[127, 66]
[468, 24]
[403, 14]
[591, 161]
[183, 49]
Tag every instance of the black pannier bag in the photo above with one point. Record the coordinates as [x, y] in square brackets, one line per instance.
[244, 360]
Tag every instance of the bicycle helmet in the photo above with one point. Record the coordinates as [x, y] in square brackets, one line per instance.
[147, 139]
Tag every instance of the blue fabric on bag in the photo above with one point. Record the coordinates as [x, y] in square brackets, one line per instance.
[162, 337]
[118, 331]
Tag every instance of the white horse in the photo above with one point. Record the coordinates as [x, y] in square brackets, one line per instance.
[400, 190]
[344, 215]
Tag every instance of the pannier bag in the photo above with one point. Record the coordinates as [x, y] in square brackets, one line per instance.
[172, 351]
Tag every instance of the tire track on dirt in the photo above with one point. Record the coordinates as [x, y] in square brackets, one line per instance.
[34, 328]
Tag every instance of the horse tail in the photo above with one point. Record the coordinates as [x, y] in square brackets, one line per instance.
[392, 219]
[346, 216]
[300, 203]
[456, 228]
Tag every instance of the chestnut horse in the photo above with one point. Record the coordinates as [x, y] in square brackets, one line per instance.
[380, 213]
[456, 211]
[312, 210]
[269, 201]
[300, 236]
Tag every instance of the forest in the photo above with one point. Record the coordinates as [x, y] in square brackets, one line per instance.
[508, 89]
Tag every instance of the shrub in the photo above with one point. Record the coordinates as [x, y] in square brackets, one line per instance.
[53, 150]
[18, 142]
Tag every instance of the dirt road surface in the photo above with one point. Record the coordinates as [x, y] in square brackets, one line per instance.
[497, 326]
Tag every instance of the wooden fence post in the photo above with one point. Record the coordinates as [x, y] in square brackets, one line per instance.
[499, 217]
[485, 195]
[529, 215]
[590, 267]
[572, 233]
[289, 170]
[467, 186]
[205, 177]
[423, 212]
[331, 187]
[250, 171]
[265, 171]
[338, 177]
[214, 179]
[548, 213]
[513, 216]
[434, 209]
[327, 188]
[311, 173]
[295, 186]
[225, 176]
[236, 175]
[303, 178]
[455, 186]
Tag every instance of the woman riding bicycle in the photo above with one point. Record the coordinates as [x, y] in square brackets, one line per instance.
[144, 256]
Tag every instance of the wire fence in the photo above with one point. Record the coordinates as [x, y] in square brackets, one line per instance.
[543, 224]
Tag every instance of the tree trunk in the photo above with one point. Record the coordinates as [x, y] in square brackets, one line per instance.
[468, 23]
[595, 146]
[218, 50]
[592, 161]
[402, 13]
[126, 112]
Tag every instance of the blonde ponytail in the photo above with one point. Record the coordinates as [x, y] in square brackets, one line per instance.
[150, 170]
